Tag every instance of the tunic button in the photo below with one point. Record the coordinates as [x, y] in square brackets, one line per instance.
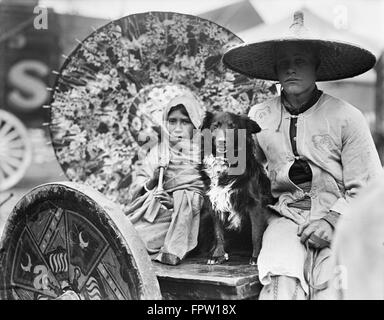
[294, 138]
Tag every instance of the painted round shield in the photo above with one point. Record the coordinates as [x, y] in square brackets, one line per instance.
[103, 98]
[67, 241]
[15, 150]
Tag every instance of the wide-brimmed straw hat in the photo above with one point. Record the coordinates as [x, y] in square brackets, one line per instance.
[338, 60]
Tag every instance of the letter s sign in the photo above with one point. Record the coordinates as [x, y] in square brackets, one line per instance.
[28, 92]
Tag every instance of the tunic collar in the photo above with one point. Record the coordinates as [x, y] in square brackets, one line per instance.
[315, 96]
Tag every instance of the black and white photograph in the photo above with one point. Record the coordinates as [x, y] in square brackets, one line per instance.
[207, 151]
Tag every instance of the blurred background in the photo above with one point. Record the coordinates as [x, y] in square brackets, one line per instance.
[36, 36]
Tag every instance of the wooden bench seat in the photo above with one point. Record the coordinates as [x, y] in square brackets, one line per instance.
[194, 279]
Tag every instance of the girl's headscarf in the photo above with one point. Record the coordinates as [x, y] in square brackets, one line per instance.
[194, 109]
[196, 113]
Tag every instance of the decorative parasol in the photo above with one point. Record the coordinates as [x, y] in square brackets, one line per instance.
[111, 89]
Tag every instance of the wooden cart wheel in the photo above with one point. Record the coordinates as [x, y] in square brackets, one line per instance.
[67, 241]
[15, 150]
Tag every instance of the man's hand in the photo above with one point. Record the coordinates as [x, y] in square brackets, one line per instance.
[164, 199]
[318, 234]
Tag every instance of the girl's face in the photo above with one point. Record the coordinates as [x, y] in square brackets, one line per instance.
[179, 126]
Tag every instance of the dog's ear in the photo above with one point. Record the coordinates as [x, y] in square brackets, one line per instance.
[252, 126]
[207, 121]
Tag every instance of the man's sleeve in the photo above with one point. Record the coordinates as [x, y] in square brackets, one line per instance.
[359, 158]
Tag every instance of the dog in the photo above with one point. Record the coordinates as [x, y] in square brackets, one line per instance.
[233, 198]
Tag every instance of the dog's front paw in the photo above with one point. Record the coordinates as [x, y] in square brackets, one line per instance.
[253, 261]
[218, 259]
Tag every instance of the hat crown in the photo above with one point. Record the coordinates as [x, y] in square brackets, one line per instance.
[297, 27]
[298, 17]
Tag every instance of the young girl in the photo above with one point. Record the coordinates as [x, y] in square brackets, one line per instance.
[168, 220]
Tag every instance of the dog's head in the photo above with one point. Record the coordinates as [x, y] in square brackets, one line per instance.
[224, 127]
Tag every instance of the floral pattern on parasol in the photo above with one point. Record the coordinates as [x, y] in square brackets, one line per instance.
[97, 109]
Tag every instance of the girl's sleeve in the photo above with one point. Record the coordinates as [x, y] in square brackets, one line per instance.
[144, 173]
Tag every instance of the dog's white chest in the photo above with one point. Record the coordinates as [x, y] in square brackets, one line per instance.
[220, 195]
[220, 198]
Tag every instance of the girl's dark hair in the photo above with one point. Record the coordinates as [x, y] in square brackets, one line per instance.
[179, 107]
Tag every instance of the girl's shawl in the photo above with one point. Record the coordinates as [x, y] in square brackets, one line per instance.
[180, 162]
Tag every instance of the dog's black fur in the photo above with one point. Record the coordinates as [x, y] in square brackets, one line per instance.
[249, 193]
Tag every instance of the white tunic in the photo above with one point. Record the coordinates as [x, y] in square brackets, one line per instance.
[335, 140]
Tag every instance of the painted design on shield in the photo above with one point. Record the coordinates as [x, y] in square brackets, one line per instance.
[60, 250]
[93, 289]
[28, 267]
[30, 270]
[86, 243]
[58, 262]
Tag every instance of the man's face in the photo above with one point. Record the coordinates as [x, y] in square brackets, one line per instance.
[295, 68]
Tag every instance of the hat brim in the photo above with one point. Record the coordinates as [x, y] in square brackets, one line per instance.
[338, 60]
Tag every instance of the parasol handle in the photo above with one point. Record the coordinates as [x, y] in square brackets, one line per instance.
[161, 175]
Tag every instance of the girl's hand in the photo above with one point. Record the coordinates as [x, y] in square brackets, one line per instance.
[165, 199]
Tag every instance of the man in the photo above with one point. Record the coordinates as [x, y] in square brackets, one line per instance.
[318, 150]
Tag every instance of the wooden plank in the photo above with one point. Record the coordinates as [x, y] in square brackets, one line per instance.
[194, 279]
